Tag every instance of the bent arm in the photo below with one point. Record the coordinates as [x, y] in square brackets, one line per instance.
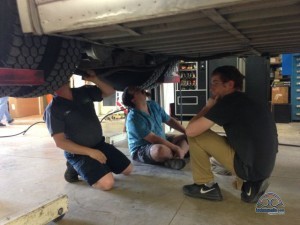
[175, 125]
[106, 89]
[70, 146]
[154, 139]
[63, 143]
[199, 124]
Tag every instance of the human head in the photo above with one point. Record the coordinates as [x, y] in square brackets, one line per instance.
[63, 89]
[129, 95]
[230, 73]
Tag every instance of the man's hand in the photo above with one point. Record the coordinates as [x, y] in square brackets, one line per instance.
[178, 152]
[212, 101]
[91, 76]
[176, 139]
[98, 155]
[106, 88]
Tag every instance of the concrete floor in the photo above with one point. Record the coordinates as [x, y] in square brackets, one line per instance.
[31, 172]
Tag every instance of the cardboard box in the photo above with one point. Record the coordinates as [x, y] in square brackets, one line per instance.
[21, 107]
[280, 95]
[275, 60]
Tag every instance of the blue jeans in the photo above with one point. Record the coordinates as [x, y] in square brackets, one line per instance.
[4, 109]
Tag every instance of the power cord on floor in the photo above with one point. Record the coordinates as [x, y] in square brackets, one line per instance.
[111, 114]
[289, 145]
[24, 132]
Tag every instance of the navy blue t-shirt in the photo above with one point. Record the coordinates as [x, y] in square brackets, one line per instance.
[76, 118]
[252, 133]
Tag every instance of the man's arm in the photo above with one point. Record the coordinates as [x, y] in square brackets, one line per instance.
[175, 125]
[70, 146]
[106, 89]
[199, 124]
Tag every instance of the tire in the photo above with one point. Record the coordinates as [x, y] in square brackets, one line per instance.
[7, 91]
[163, 71]
[56, 56]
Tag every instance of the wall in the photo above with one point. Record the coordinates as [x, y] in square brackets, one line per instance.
[258, 79]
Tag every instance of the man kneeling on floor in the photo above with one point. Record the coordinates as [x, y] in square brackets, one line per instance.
[146, 138]
[72, 122]
[250, 148]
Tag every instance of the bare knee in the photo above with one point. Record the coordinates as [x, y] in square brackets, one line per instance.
[105, 183]
[161, 153]
[128, 170]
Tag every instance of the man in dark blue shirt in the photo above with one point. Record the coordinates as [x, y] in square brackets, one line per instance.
[72, 122]
[249, 148]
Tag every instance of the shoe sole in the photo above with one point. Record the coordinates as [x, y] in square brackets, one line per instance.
[71, 179]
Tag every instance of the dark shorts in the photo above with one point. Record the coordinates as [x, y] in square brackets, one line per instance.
[92, 170]
[142, 153]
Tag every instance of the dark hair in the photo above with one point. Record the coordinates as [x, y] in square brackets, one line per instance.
[128, 96]
[228, 73]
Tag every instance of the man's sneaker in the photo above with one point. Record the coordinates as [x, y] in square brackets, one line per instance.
[10, 121]
[252, 191]
[187, 155]
[2, 125]
[71, 175]
[202, 191]
[176, 164]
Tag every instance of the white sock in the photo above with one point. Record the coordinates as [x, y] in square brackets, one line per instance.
[210, 184]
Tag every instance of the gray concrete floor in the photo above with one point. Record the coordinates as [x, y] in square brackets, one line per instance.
[31, 172]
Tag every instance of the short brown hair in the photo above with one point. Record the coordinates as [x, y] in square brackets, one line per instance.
[228, 73]
[128, 96]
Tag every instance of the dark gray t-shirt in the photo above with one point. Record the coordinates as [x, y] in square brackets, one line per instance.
[252, 133]
[77, 119]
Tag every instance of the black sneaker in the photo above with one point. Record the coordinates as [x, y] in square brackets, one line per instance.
[202, 191]
[71, 174]
[187, 155]
[2, 125]
[252, 191]
[10, 121]
[176, 164]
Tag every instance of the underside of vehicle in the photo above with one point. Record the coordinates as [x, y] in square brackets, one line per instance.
[136, 43]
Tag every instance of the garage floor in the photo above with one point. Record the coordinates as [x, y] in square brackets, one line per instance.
[31, 172]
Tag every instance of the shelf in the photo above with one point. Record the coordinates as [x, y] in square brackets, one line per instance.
[187, 66]
[188, 73]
